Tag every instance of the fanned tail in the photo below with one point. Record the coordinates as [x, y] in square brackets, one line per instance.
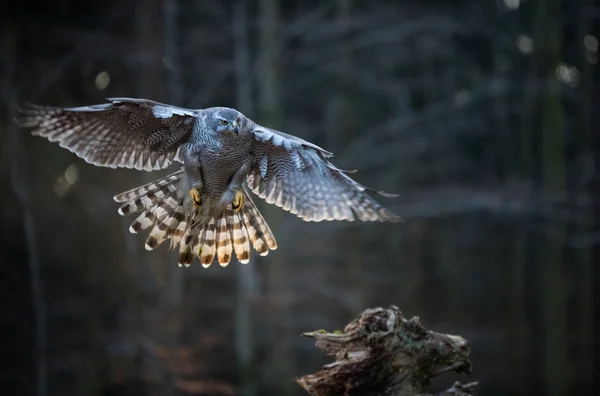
[164, 209]
[232, 233]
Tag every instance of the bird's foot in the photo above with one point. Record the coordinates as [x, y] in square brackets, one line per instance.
[196, 198]
[238, 201]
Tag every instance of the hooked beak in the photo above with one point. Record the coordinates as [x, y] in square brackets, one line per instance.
[236, 129]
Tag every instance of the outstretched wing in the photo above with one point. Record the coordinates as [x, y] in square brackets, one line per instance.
[124, 133]
[297, 176]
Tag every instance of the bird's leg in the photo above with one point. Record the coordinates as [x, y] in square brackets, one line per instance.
[196, 183]
[234, 193]
[194, 174]
[238, 201]
[196, 198]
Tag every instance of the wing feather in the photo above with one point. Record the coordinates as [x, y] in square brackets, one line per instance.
[123, 133]
[297, 176]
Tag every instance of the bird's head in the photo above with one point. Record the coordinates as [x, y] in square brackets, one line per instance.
[226, 121]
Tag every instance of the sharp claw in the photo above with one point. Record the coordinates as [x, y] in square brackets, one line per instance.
[196, 198]
[238, 201]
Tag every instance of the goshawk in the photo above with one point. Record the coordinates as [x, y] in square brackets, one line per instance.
[204, 207]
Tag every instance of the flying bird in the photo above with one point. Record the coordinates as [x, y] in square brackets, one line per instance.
[204, 207]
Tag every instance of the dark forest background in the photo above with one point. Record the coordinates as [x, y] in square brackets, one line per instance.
[482, 114]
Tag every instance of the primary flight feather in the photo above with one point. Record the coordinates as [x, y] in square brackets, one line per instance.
[204, 208]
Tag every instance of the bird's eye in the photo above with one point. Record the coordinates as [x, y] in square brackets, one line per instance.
[224, 122]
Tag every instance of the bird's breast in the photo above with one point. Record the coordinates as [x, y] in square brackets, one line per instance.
[218, 166]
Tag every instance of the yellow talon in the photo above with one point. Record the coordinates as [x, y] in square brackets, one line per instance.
[238, 201]
[196, 198]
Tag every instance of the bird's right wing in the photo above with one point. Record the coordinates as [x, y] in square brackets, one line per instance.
[124, 133]
[297, 176]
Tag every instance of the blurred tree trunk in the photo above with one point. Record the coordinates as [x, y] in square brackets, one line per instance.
[269, 68]
[519, 341]
[148, 21]
[595, 188]
[246, 276]
[414, 250]
[171, 12]
[342, 131]
[347, 127]
[270, 114]
[552, 293]
[20, 185]
[445, 237]
[585, 222]
[341, 128]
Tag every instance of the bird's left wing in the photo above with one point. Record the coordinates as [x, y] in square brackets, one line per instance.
[297, 176]
[123, 133]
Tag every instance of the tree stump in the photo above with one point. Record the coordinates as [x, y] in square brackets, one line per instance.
[382, 353]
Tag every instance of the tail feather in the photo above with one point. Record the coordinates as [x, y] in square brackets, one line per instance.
[170, 214]
[257, 221]
[187, 243]
[223, 240]
[239, 237]
[198, 241]
[149, 217]
[182, 229]
[259, 232]
[141, 197]
[208, 247]
[166, 213]
[143, 221]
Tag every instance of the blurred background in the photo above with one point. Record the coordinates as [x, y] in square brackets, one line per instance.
[482, 114]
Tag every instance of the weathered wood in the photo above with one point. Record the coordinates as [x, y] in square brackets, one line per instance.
[382, 353]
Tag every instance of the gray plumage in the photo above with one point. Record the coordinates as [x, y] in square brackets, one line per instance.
[204, 207]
